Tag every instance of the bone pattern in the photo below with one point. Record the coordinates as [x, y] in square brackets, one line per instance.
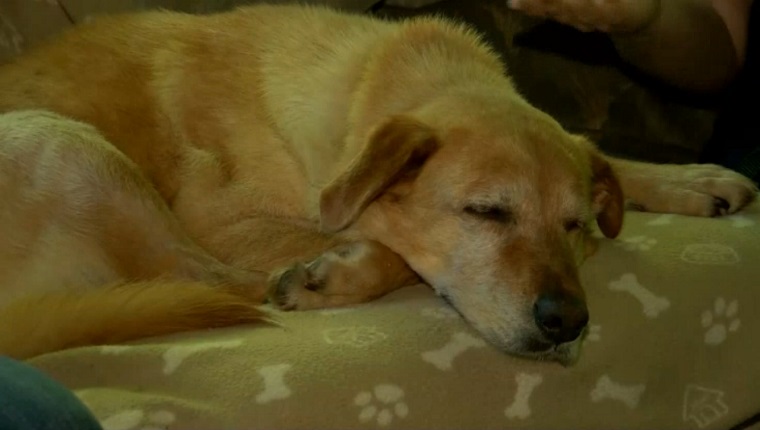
[607, 389]
[444, 357]
[274, 383]
[652, 304]
[526, 384]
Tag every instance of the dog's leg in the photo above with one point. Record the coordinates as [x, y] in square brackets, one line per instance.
[690, 189]
[311, 269]
[80, 207]
[351, 273]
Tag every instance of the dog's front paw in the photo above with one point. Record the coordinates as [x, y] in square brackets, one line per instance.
[704, 190]
[285, 286]
[346, 275]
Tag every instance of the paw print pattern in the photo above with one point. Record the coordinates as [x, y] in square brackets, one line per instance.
[638, 243]
[440, 312]
[720, 321]
[176, 355]
[136, 419]
[383, 404]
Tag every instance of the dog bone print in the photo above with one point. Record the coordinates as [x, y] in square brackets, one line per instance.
[606, 388]
[520, 408]
[653, 305]
[134, 419]
[460, 342]
[665, 219]
[176, 355]
[274, 383]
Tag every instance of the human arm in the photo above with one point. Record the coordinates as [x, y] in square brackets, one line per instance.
[692, 44]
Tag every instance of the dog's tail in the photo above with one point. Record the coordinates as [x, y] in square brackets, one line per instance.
[54, 321]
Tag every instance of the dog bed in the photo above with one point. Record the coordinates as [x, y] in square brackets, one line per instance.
[674, 308]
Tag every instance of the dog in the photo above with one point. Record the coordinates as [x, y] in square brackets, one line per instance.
[171, 172]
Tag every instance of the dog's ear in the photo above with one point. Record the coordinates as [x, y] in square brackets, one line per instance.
[396, 146]
[606, 196]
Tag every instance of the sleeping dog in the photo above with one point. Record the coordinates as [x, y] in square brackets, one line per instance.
[164, 172]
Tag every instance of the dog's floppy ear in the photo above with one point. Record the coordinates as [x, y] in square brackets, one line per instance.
[606, 196]
[399, 144]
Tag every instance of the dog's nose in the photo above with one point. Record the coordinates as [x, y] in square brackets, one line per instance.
[560, 317]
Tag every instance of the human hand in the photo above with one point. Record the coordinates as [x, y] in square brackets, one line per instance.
[613, 16]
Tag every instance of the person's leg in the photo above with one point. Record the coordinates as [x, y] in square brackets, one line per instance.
[29, 400]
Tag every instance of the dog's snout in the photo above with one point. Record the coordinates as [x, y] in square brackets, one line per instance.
[560, 317]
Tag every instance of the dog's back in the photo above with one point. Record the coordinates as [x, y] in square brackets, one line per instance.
[151, 81]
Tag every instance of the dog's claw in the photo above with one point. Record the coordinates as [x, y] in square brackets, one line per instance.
[281, 286]
[312, 286]
[721, 207]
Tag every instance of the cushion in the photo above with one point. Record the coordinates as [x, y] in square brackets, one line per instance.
[674, 303]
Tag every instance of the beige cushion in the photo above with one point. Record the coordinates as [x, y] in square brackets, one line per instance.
[673, 345]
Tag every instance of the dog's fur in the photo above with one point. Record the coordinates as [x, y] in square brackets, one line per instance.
[345, 155]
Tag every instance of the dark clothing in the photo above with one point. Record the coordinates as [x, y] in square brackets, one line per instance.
[29, 400]
[736, 136]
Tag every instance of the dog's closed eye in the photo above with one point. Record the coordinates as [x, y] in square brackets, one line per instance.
[489, 212]
[575, 224]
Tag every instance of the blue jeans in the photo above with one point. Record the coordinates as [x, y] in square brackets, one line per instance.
[29, 400]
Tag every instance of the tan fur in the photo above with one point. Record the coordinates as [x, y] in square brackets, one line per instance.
[60, 320]
[345, 155]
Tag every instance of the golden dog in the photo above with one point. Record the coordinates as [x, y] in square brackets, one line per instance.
[188, 157]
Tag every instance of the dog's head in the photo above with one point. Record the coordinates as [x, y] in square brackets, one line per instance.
[490, 202]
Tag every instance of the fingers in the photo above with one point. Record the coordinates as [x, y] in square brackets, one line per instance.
[587, 15]
[581, 14]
